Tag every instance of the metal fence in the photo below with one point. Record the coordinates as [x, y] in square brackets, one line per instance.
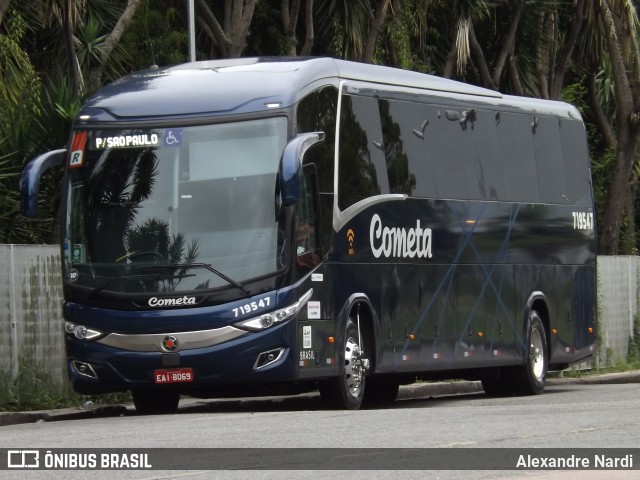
[31, 314]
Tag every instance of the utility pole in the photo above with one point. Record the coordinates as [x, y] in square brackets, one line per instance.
[192, 32]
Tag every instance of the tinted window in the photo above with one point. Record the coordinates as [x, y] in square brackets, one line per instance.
[517, 158]
[576, 158]
[484, 172]
[414, 140]
[362, 164]
[400, 179]
[454, 151]
[451, 152]
[548, 151]
[317, 113]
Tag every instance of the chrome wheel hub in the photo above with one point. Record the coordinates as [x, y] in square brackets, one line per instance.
[536, 354]
[354, 366]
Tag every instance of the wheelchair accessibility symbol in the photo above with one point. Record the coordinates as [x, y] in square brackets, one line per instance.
[172, 137]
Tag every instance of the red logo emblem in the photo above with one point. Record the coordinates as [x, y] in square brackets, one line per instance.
[170, 343]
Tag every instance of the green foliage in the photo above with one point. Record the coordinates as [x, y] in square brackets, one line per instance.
[19, 91]
[633, 356]
[38, 101]
[628, 243]
[34, 389]
[267, 35]
[157, 35]
[605, 89]
[345, 24]
[21, 131]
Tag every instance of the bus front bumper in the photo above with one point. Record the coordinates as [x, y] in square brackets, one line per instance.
[250, 358]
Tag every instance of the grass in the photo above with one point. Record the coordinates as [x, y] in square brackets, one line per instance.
[617, 368]
[33, 389]
[632, 362]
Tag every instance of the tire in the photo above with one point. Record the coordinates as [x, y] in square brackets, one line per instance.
[150, 402]
[530, 378]
[346, 391]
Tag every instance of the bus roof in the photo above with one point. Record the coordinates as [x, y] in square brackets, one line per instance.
[242, 85]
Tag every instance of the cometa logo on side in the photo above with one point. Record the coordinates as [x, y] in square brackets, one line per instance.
[399, 242]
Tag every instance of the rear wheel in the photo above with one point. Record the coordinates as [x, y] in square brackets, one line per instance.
[530, 378]
[149, 402]
[346, 391]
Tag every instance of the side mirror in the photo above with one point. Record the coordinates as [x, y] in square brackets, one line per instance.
[29, 183]
[291, 165]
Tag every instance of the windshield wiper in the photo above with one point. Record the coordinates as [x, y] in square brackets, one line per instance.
[148, 276]
[206, 266]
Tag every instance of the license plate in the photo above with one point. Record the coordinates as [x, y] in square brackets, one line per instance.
[173, 375]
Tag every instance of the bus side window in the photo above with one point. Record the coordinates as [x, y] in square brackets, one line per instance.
[362, 163]
[317, 112]
[393, 117]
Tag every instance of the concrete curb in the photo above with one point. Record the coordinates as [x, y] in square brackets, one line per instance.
[632, 376]
[438, 389]
[407, 392]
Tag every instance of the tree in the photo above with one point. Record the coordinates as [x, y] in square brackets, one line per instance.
[91, 31]
[620, 25]
[110, 42]
[513, 45]
[36, 115]
[351, 28]
[4, 6]
[20, 130]
[157, 34]
[290, 10]
[229, 37]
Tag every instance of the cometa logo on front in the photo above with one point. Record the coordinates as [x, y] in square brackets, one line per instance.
[399, 242]
[171, 302]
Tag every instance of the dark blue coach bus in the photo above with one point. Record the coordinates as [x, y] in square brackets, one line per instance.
[261, 226]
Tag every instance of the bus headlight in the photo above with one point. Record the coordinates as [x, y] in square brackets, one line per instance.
[81, 332]
[267, 320]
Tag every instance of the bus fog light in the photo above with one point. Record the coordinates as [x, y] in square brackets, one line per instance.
[84, 369]
[268, 358]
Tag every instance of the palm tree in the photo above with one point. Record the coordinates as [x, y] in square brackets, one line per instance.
[21, 133]
[342, 26]
[227, 27]
[619, 28]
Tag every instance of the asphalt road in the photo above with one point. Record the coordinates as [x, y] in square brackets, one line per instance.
[595, 413]
[407, 392]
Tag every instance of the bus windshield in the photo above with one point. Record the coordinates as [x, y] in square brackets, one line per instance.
[174, 209]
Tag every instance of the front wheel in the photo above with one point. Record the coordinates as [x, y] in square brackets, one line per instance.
[530, 378]
[346, 391]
